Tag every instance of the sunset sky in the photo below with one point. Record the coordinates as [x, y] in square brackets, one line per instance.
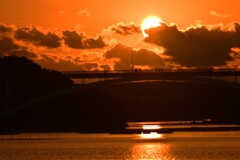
[101, 34]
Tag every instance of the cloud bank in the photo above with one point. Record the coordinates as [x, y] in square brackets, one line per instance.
[52, 50]
[196, 47]
[4, 28]
[33, 35]
[8, 47]
[141, 57]
[125, 29]
[80, 41]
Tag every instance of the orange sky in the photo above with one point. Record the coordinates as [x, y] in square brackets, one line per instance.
[64, 14]
[94, 17]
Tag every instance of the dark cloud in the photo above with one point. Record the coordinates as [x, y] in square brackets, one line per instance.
[105, 67]
[67, 64]
[73, 39]
[4, 28]
[125, 29]
[7, 45]
[142, 57]
[80, 41]
[89, 66]
[95, 43]
[23, 53]
[38, 38]
[200, 47]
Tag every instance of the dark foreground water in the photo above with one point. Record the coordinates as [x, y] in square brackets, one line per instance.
[182, 146]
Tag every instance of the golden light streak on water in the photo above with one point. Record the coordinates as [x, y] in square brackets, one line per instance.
[153, 151]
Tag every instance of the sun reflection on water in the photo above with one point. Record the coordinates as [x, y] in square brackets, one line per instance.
[146, 151]
[151, 147]
[151, 135]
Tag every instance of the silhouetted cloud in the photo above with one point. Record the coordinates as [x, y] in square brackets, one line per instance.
[125, 29]
[4, 28]
[7, 45]
[89, 66]
[73, 39]
[95, 43]
[67, 64]
[80, 41]
[24, 53]
[200, 47]
[105, 67]
[50, 40]
[142, 57]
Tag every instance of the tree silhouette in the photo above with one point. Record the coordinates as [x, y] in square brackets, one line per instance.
[22, 79]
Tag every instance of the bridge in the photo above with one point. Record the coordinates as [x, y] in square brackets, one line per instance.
[154, 74]
[118, 77]
[121, 76]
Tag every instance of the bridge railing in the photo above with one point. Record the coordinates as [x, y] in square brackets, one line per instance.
[152, 70]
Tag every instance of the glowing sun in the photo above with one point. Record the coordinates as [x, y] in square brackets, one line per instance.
[150, 22]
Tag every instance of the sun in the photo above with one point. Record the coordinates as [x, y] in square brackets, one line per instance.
[150, 22]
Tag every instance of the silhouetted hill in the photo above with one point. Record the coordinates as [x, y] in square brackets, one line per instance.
[13, 65]
[107, 108]
[22, 79]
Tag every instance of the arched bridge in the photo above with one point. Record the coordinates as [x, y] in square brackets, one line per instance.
[116, 77]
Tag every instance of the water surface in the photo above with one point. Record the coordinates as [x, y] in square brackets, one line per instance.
[181, 145]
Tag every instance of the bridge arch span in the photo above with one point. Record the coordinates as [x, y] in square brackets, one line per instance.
[111, 82]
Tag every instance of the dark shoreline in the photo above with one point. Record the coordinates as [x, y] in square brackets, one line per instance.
[125, 131]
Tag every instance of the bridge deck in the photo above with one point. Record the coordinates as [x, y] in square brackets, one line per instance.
[151, 73]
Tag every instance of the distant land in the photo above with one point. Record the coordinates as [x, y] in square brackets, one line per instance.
[108, 107]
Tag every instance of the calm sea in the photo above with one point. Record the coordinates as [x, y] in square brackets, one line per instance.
[179, 145]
